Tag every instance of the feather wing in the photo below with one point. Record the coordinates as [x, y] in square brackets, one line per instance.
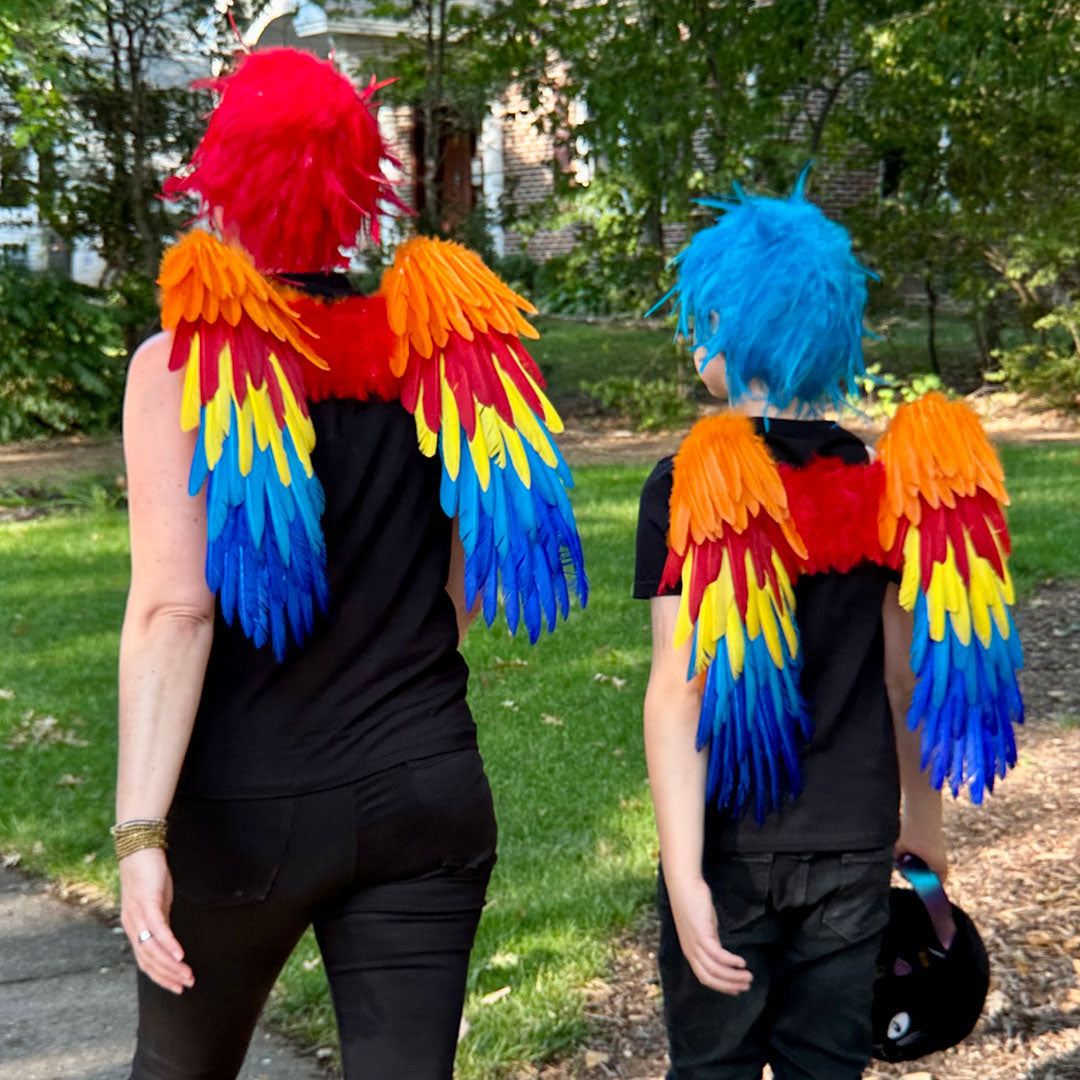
[734, 546]
[941, 518]
[243, 350]
[478, 400]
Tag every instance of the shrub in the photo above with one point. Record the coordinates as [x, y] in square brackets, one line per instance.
[518, 271]
[1051, 366]
[597, 279]
[884, 393]
[63, 355]
[648, 404]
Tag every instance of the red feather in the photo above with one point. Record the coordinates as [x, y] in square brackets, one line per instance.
[356, 342]
[672, 574]
[835, 508]
[292, 159]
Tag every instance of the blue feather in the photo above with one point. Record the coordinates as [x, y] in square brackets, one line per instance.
[966, 702]
[520, 541]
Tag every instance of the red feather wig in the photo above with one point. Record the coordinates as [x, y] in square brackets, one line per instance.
[291, 160]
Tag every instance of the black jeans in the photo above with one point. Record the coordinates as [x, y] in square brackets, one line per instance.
[391, 871]
[809, 928]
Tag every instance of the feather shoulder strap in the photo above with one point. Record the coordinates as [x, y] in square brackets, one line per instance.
[478, 399]
[734, 547]
[243, 350]
[942, 520]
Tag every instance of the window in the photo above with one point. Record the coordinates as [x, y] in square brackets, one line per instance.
[15, 189]
[17, 255]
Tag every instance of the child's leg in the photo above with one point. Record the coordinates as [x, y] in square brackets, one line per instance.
[820, 1001]
[714, 1036]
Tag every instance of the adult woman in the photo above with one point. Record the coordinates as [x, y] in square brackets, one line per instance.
[333, 779]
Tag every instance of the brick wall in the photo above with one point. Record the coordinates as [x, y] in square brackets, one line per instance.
[529, 178]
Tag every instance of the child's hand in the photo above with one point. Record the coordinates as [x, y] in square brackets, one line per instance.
[695, 921]
[926, 842]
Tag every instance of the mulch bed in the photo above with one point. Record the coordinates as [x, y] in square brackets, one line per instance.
[1015, 869]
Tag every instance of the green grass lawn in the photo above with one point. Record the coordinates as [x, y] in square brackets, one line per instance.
[559, 734]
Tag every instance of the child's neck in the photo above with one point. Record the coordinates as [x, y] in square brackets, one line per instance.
[754, 403]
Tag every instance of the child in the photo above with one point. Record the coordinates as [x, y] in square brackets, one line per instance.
[778, 763]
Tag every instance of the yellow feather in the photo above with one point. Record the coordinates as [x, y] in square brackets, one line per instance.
[263, 414]
[479, 453]
[525, 419]
[551, 417]
[489, 420]
[428, 439]
[450, 427]
[191, 403]
[735, 642]
[982, 588]
[769, 626]
[512, 441]
[957, 598]
[684, 628]
[709, 628]
[726, 584]
[218, 417]
[753, 611]
[246, 446]
[300, 426]
[935, 604]
[277, 447]
[909, 582]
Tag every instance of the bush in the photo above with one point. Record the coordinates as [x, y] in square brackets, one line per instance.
[648, 404]
[884, 393]
[63, 354]
[599, 280]
[1050, 367]
[518, 271]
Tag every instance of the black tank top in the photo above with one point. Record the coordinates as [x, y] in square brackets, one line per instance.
[381, 679]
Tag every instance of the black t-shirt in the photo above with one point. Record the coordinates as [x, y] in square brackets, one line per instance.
[381, 679]
[851, 790]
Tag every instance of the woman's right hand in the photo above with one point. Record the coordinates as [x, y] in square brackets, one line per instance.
[146, 894]
[695, 921]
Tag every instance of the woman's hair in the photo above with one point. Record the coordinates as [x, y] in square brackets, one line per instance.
[776, 288]
[291, 162]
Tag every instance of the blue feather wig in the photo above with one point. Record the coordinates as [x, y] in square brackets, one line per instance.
[776, 288]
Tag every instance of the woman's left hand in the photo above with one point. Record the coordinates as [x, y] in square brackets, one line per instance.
[146, 892]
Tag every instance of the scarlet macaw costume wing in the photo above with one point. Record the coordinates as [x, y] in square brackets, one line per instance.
[243, 350]
[733, 545]
[478, 399]
[941, 519]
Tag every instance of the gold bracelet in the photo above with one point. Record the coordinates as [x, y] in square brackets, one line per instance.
[137, 834]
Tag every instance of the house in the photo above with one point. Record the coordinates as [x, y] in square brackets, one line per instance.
[507, 159]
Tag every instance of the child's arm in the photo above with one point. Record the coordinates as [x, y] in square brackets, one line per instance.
[921, 830]
[677, 778]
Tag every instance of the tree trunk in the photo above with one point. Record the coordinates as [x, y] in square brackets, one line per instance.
[435, 44]
[931, 323]
[149, 242]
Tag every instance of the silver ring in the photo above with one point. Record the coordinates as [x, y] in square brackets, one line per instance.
[144, 936]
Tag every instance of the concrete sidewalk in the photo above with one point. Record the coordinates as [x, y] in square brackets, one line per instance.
[67, 997]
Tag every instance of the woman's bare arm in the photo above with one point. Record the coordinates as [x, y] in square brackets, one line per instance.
[921, 831]
[164, 645]
[677, 773]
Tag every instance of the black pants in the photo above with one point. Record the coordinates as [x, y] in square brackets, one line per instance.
[809, 928]
[391, 871]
